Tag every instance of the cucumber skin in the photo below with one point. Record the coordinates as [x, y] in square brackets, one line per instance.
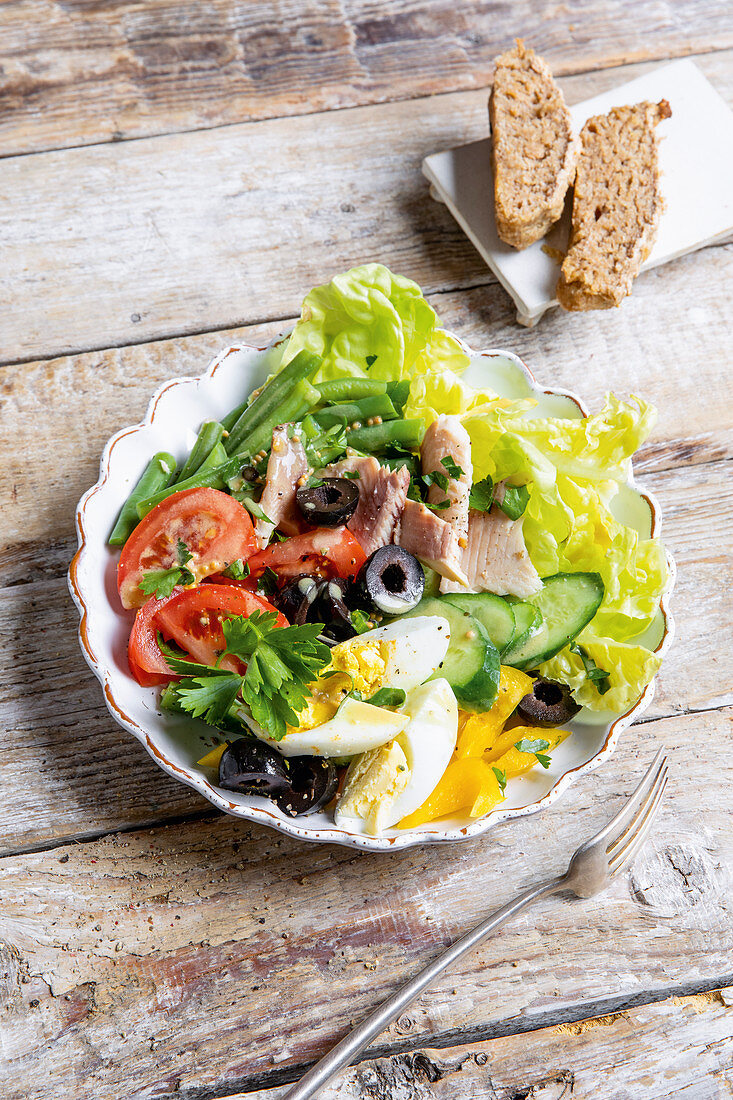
[532, 660]
[480, 692]
[473, 603]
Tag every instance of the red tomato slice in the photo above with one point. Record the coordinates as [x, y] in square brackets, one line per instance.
[325, 550]
[215, 528]
[193, 618]
[147, 663]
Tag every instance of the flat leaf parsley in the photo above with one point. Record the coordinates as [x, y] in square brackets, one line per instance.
[281, 663]
[161, 582]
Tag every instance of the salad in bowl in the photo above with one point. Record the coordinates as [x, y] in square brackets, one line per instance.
[388, 590]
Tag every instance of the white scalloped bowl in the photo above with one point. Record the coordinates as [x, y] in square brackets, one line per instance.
[176, 743]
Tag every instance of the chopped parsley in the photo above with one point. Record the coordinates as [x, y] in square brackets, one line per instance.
[537, 747]
[516, 499]
[481, 495]
[161, 582]
[500, 778]
[388, 697]
[600, 679]
[236, 570]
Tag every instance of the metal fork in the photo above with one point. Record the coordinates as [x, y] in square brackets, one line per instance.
[591, 869]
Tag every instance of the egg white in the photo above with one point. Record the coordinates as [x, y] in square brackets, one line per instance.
[413, 649]
[374, 794]
[355, 728]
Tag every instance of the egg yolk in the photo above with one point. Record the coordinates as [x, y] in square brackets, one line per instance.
[355, 665]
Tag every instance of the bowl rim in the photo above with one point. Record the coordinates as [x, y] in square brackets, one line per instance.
[338, 835]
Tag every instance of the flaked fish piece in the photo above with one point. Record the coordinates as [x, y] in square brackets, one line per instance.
[382, 496]
[431, 539]
[495, 558]
[446, 438]
[286, 465]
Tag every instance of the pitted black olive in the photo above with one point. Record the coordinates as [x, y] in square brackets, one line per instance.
[329, 504]
[296, 598]
[330, 608]
[251, 767]
[392, 580]
[548, 704]
[313, 783]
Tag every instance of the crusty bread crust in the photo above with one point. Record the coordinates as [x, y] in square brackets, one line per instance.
[533, 152]
[616, 206]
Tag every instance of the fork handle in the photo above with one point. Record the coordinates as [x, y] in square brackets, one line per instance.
[344, 1053]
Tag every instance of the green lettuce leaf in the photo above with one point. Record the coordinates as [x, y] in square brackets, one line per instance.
[629, 667]
[371, 321]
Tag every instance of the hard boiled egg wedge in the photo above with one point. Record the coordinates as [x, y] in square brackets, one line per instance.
[355, 728]
[392, 781]
[400, 655]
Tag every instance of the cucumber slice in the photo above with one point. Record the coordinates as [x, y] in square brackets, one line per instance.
[495, 614]
[568, 602]
[527, 621]
[471, 665]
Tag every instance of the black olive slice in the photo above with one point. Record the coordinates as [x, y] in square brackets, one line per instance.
[296, 598]
[548, 704]
[329, 504]
[313, 783]
[331, 610]
[392, 580]
[251, 767]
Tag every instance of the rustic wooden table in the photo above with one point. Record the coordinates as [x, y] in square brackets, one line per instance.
[177, 176]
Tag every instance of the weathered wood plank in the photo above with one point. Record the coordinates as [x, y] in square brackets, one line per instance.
[681, 1047]
[208, 230]
[200, 960]
[59, 737]
[49, 453]
[75, 74]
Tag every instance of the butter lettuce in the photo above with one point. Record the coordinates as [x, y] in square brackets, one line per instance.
[369, 321]
[629, 668]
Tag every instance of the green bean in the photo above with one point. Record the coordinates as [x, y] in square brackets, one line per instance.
[349, 389]
[228, 421]
[360, 411]
[210, 434]
[407, 433]
[267, 404]
[309, 427]
[210, 474]
[398, 393]
[396, 462]
[156, 475]
[301, 399]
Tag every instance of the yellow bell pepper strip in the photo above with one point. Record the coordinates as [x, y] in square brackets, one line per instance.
[513, 762]
[468, 785]
[481, 730]
[211, 760]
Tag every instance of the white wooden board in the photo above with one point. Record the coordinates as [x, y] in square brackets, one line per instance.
[696, 159]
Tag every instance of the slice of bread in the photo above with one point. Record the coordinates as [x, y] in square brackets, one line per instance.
[532, 150]
[616, 206]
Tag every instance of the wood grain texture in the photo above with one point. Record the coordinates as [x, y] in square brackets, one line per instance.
[194, 962]
[682, 1047]
[125, 243]
[77, 73]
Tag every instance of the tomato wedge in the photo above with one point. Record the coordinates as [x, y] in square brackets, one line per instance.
[193, 618]
[216, 529]
[147, 663]
[325, 551]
